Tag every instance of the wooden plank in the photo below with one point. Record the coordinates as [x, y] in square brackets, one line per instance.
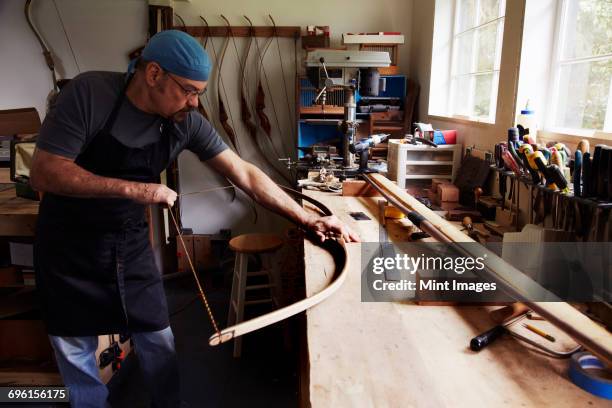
[398, 354]
[5, 176]
[17, 215]
[17, 225]
[358, 188]
[561, 314]
[19, 121]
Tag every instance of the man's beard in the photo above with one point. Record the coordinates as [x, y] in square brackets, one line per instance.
[180, 115]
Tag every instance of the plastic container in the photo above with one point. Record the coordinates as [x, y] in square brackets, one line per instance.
[527, 124]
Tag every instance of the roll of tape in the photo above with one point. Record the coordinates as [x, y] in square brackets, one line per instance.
[581, 372]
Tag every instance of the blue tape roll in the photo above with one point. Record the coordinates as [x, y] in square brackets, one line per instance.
[580, 363]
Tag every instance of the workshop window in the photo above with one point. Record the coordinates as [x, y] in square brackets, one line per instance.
[582, 67]
[466, 58]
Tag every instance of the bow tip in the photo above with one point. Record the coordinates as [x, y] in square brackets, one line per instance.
[219, 338]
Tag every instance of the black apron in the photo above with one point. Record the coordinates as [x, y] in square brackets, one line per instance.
[95, 269]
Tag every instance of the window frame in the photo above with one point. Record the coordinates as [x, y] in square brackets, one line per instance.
[557, 64]
[452, 71]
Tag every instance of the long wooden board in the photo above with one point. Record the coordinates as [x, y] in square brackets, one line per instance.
[561, 314]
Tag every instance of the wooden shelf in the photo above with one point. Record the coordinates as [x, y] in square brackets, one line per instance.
[435, 162]
[17, 215]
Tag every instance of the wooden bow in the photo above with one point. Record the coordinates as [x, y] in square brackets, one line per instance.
[245, 111]
[260, 96]
[45, 50]
[338, 250]
[223, 114]
[254, 130]
[280, 57]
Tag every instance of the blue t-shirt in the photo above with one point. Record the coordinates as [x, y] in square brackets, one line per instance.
[84, 105]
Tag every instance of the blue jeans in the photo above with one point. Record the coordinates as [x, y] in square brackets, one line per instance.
[79, 369]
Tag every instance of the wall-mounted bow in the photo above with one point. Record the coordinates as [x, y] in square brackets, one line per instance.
[45, 50]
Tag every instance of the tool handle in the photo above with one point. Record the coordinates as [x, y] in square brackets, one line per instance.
[577, 173]
[586, 175]
[483, 340]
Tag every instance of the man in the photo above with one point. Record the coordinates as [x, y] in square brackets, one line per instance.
[99, 154]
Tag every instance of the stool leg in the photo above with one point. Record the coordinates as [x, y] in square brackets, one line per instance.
[231, 313]
[273, 279]
[241, 271]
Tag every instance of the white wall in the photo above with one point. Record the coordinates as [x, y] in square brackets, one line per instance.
[102, 32]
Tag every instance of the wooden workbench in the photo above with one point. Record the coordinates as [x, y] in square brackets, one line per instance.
[17, 215]
[405, 355]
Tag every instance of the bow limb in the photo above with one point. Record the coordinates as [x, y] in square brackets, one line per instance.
[245, 113]
[280, 57]
[264, 122]
[206, 94]
[222, 114]
[254, 130]
[338, 250]
[260, 96]
[45, 50]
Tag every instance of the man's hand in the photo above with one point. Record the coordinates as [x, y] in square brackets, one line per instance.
[323, 227]
[149, 193]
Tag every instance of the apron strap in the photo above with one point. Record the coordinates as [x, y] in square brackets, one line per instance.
[108, 125]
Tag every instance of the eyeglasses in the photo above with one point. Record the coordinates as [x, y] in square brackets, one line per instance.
[189, 92]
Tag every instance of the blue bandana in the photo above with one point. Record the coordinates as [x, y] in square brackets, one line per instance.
[178, 53]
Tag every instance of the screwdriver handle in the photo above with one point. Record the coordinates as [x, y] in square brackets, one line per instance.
[483, 340]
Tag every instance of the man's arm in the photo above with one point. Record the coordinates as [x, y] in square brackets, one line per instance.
[265, 191]
[57, 174]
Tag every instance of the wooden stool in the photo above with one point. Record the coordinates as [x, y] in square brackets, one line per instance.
[243, 245]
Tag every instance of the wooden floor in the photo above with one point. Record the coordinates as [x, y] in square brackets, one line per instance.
[396, 354]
